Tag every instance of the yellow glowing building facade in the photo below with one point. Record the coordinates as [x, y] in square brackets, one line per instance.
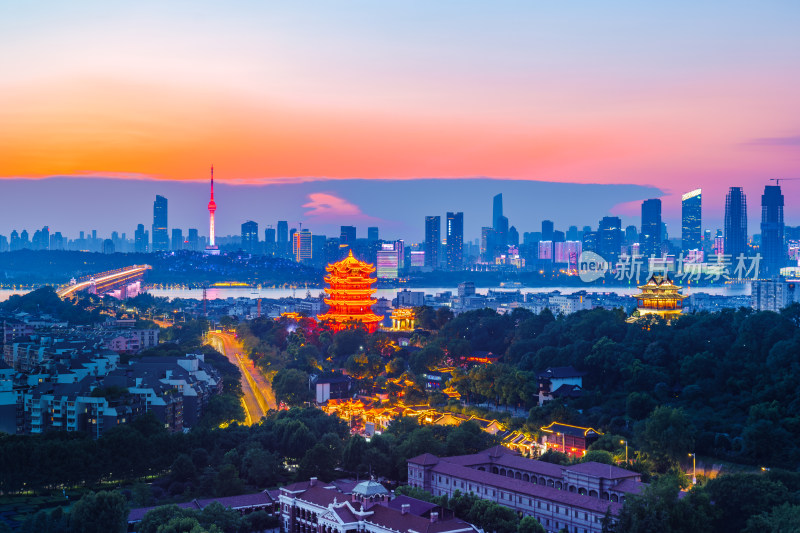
[659, 296]
[403, 319]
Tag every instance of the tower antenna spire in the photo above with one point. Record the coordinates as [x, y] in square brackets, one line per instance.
[212, 208]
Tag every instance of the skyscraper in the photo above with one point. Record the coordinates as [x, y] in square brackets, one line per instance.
[609, 237]
[160, 233]
[283, 232]
[735, 223]
[433, 240]
[283, 239]
[250, 237]
[455, 240]
[301, 245]
[139, 242]
[497, 209]
[269, 241]
[372, 233]
[547, 230]
[772, 230]
[177, 239]
[348, 236]
[691, 221]
[193, 239]
[651, 228]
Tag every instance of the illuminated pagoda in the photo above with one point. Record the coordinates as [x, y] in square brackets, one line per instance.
[350, 295]
[660, 297]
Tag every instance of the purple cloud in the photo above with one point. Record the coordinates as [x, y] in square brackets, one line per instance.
[776, 141]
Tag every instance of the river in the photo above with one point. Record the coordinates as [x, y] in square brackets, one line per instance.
[275, 293]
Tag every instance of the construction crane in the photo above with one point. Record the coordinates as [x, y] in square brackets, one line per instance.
[779, 180]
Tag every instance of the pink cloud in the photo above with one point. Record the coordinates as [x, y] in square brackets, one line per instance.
[327, 205]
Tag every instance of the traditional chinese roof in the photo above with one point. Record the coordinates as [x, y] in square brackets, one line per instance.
[567, 429]
[350, 266]
[658, 285]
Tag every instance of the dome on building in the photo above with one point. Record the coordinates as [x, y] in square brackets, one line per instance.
[369, 489]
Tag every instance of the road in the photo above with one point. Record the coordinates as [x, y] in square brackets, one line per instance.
[258, 396]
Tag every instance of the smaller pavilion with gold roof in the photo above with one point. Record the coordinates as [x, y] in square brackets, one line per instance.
[659, 296]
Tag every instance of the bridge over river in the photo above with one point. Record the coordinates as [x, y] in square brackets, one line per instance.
[106, 282]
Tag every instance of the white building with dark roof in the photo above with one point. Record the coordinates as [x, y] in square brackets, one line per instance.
[316, 507]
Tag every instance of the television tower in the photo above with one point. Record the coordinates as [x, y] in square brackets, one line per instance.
[212, 208]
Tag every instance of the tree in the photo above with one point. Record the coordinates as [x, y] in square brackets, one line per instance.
[737, 497]
[658, 508]
[530, 525]
[183, 468]
[291, 386]
[159, 516]
[100, 512]
[667, 436]
[781, 519]
[353, 454]
[598, 456]
[557, 458]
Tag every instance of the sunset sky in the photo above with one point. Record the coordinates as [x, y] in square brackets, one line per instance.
[673, 95]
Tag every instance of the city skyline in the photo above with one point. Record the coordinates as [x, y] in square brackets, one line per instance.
[298, 94]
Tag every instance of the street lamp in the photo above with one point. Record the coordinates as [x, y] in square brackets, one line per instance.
[694, 468]
[626, 449]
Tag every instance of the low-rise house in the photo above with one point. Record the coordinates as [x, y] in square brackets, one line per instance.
[554, 378]
[571, 440]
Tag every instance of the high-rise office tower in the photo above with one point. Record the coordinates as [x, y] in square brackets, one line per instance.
[301, 245]
[283, 232]
[488, 243]
[193, 239]
[513, 236]
[372, 233]
[547, 230]
[651, 228]
[139, 240]
[177, 239]
[269, 241]
[773, 249]
[455, 240]
[433, 240]
[284, 246]
[501, 234]
[348, 236]
[735, 223]
[160, 234]
[691, 221]
[497, 209]
[250, 237]
[609, 237]
[572, 233]
[631, 235]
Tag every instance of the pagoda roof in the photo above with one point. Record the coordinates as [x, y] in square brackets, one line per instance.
[350, 265]
[659, 282]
